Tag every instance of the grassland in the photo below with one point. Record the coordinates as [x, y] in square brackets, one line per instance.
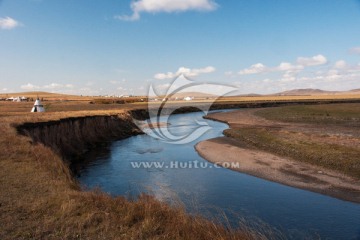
[322, 135]
[347, 115]
[289, 98]
[41, 200]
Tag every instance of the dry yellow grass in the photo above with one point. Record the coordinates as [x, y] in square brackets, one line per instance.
[45, 95]
[40, 200]
[327, 135]
[292, 98]
[64, 97]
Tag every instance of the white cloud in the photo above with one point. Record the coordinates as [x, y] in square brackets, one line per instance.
[52, 86]
[289, 76]
[253, 69]
[114, 82]
[340, 64]
[168, 6]
[29, 87]
[333, 75]
[341, 77]
[338, 76]
[261, 68]
[285, 66]
[162, 76]
[312, 61]
[8, 23]
[186, 71]
[302, 62]
[355, 50]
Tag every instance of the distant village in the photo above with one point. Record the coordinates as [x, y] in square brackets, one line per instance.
[17, 99]
[142, 99]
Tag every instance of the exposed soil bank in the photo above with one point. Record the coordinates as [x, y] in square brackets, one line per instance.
[272, 167]
[71, 137]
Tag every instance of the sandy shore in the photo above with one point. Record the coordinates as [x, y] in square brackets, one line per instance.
[274, 168]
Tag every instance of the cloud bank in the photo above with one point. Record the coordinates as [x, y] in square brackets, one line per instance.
[52, 86]
[301, 63]
[312, 61]
[305, 72]
[168, 6]
[186, 71]
[8, 23]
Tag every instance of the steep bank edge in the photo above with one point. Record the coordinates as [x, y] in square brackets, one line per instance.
[71, 137]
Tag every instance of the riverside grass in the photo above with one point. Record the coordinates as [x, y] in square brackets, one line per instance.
[41, 200]
[302, 146]
[347, 115]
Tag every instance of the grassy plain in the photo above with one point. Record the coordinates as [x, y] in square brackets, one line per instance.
[346, 115]
[322, 135]
[40, 199]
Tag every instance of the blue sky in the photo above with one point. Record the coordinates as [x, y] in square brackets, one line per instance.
[122, 46]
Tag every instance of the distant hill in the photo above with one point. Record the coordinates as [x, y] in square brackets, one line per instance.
[198, 95]
[250, 95]
[46, 95]
[311, 91]
[354, 91]
[304, 92]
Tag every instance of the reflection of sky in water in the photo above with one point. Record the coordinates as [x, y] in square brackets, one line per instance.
[212, 190]
[186, 129]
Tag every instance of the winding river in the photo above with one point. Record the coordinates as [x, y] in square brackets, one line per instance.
[117, 169]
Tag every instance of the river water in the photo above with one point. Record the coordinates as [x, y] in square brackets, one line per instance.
[116, 168]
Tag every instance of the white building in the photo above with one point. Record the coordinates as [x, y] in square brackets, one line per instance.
[188, 98]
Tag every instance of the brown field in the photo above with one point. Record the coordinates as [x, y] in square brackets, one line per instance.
[41, 200]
